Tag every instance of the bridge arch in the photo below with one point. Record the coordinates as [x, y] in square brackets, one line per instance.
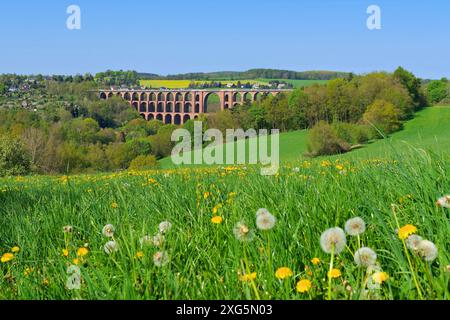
[126, 96]
[143, 96]
[143, 107]
[161, 96]
[186, 118]
[178, 97]
[169, 107]
[168, 119]
[151, 107]
[152, 96]
[150, 117]
[212, 102]
[159, 117]
[102, 95]
[160, 107]
[178, 107]
[188, 96]
[177, 119]
[169, 96]
[135, 105]
[135, 96]
[187, 107]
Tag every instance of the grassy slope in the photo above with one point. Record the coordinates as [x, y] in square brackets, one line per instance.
[430, 129]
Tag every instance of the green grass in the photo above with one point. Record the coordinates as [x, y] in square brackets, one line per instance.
[205, 259]
[428, 130]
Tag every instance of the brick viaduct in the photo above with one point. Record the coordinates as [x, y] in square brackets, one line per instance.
[179, 105]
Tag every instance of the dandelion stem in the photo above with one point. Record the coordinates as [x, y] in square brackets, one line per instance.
[247, 267]
[329, 272]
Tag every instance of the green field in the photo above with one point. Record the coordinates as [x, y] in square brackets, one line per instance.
[429, 130]
[297, 83]
[389, 184]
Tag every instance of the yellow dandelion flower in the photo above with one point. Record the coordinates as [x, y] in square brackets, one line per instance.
[283, 273]
[248, 277]
[315, 261]
[15, 249]
[380, 277]
[114, 205]
[45, 282]
[206, 195]
[76, 261]
[6, 257]
[217, 220]
[405, 231]
[27, 271]
[139, 254]
[81, 252]
[334, 273]
[303, 285]
[339, 167]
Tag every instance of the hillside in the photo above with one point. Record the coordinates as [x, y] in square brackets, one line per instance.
[429, 130]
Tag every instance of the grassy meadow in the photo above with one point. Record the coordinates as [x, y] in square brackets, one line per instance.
[54, 244]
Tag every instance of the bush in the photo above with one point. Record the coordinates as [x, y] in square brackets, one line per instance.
[14, 160]
[383, 116]
[352, 133]
[324, 140]
[143, 163]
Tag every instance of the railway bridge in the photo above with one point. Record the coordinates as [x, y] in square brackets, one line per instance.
[176, 106]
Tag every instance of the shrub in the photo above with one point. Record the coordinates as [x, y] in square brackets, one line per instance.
[323, 140]
[14, 160]
[383, 116]
[352, 133]
[143, 163]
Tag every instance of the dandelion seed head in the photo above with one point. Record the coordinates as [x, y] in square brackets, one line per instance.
[108, 231]
[242, 232]
[67, 229]
[355, 226]
[333, 237]
[365, 257]
[444, 202]
[427, 250]
[164, 227]
[264, 219]
[160, 258]
[412, 242]
[111, 247]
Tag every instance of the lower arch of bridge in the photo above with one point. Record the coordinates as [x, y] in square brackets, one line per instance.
[168, 119]
[177, 119]
[212, 103]
[159, 117]
[150, 117]
[186, 118]
[102, 95]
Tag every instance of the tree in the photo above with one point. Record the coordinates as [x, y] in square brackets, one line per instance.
[323, 140]
[143, 163]
[438, 90]
[412, 84]
[14, 159]
[383, 116]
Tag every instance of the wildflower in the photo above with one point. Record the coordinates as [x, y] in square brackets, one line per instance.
[315, 261]
[15, 249]
[217, 220]
[67, 229]
[405, 231]
[108, 231]
[139, 254]
[114, 205]
[6, 257]
[334, 273]
[412, 242]
[303, 285]
[355, 226]
[444, 202]
[283, 273]
[76, 261]
[380, 277]
[81, 252]
[110, 247]
[333, 237]
[427, 250]
[206, 195]
[160, 258]
[365, 257]
[45, 282]
[339, 167]
[27, 271]
[264, 219]
[164, 226]
[65, 252]
[242, 232]
[248, 277]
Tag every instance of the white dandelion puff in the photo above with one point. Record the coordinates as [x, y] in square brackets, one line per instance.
[355, 226]
[444, 202]
[67, 229]
[264, 219]
[161, 258]
[427, 250]
[110, 247]
[333, 237]
[164, 227]
[242, 232]
[412, 242]
[365, 257]
[108, 231]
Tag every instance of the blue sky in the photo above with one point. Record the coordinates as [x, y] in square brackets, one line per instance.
[172, 36]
